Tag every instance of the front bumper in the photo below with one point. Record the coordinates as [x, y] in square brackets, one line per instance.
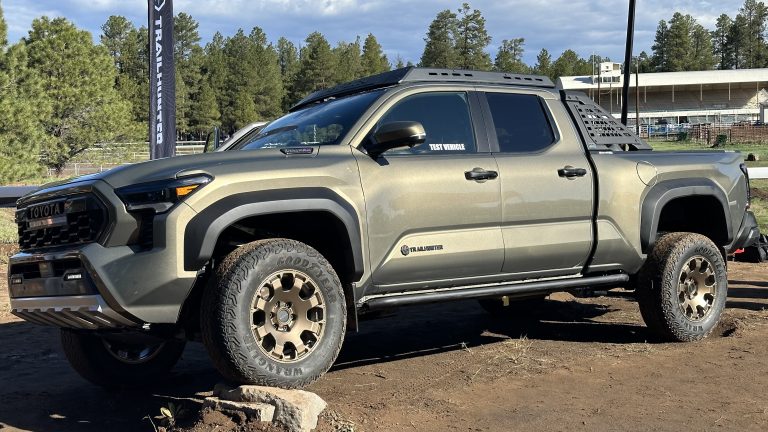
[88, 312]
[128, 288]
[106, 284]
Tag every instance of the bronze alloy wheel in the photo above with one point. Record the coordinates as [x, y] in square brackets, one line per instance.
[132, 353]
[697, 288]
[288, 315]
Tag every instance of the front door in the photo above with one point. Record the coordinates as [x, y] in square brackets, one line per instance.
[546, 186]
[430, 223]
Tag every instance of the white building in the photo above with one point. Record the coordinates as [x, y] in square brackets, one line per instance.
[719, 96]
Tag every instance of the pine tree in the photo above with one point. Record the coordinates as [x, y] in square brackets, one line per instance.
[288, 60]
[737, 41]
[128, 48]
[287, 57]
[253, 72]
[660, 48]
[215, 69]
[754, 45]
[3, 31]
[316, 68]
[439, 48]
[79, 78]
[205, 110]
[680, 42]
[23, 106]
[568, 64]
[188, 56]
[543, 63]
[399, 63]
[348, 60]
[702, 56]
[374, 61]
[721, 47]
[510, 56]
[243, 111]
[471, 40]
[645, 62]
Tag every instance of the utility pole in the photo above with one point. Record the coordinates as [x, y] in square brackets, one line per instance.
[637, 97]
[628, 60]
[599, 81]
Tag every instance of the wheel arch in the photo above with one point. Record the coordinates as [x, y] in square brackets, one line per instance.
[699, 194]
[203, 232]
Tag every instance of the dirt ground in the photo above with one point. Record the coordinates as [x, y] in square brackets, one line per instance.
[589, 365]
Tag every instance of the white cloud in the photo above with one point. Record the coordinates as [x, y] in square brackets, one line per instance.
[400, 25]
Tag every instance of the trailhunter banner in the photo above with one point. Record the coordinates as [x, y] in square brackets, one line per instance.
[162, 80]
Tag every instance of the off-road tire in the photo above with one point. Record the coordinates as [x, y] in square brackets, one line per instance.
[526, 308]
[226, 316]
[658, 290]
[89, 356]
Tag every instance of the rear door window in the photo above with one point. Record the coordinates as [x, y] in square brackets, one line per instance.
[520, 121]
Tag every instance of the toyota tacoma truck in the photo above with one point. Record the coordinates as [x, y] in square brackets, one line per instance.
[405, 188]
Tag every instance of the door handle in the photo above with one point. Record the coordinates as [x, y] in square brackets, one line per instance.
[571, 172]
[478, 174]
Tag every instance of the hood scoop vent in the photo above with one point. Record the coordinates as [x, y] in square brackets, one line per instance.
[298, 151]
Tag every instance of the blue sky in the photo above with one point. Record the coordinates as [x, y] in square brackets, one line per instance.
[400, 25]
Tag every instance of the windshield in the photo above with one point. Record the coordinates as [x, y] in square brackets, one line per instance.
[324, 124]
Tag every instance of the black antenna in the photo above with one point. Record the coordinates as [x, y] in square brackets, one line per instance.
[628, 62]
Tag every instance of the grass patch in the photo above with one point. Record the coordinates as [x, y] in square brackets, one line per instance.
[8, 230]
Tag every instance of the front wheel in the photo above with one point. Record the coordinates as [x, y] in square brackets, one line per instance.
[114, 363]
[682, 287]
[274, 314]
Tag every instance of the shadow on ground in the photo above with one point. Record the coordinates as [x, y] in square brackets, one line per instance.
[40, 392]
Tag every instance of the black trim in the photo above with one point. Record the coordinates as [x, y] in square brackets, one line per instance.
[595, 193]
[482, 141]
[600, 129]
[664, 192]
[414, 74]
[748, 233]
[203, 231]
[474, 292]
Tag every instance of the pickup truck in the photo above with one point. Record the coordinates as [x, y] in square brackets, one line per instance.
[405, 188]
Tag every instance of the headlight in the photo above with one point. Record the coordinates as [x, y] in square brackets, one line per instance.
[160, 196]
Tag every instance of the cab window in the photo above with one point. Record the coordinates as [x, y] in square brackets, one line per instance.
[446, 120]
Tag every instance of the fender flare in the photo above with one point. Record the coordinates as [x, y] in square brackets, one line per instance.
[203, 231]
[664, 192]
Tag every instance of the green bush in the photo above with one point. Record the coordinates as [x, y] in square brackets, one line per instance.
[682, 136]
[722, 139]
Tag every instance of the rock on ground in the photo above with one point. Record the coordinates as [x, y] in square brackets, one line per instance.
[295, 409]
[254, 411]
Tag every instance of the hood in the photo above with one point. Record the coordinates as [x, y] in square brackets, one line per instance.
[205, 163]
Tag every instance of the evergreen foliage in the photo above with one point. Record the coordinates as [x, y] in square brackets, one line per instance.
[60, 93]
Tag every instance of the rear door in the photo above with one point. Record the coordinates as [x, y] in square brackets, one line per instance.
[546, 185]
[429, 222]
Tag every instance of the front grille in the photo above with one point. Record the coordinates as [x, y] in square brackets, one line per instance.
[83, 220]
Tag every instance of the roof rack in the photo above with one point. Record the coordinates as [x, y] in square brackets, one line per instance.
[414, 74]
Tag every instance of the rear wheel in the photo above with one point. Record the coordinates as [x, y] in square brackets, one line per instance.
[116, 363]
[682, 287]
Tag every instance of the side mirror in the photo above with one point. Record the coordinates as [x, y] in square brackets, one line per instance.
[394, 135]
[212, 141]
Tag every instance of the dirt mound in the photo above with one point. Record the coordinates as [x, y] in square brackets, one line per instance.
[730, 326]
[212, 420]
[759, 193]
